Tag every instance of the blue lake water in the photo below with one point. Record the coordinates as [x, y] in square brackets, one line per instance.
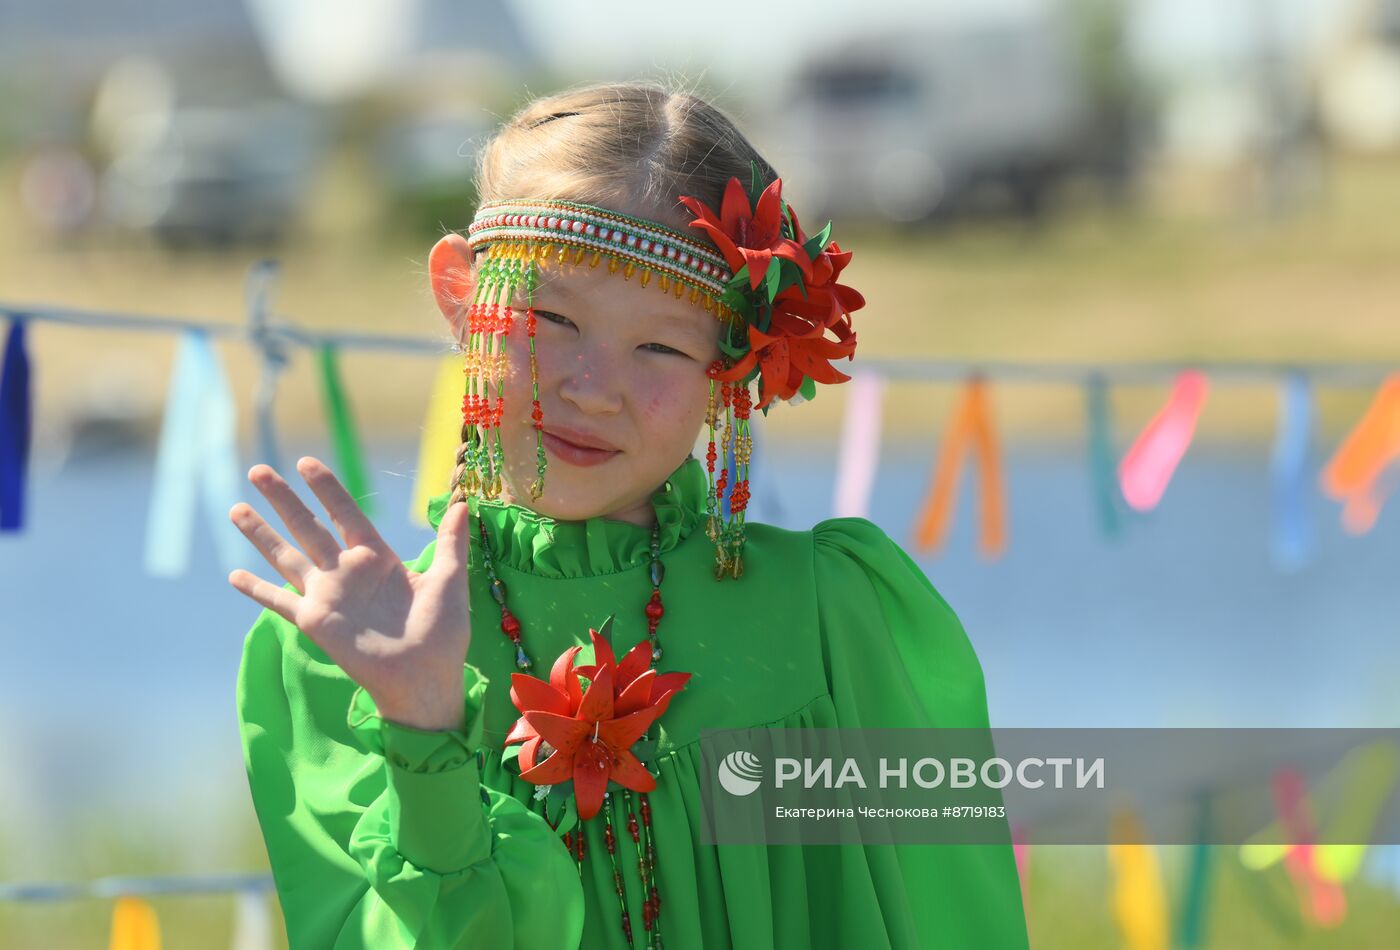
[116, 688]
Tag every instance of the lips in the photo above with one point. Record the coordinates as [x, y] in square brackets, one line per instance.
[581, 439]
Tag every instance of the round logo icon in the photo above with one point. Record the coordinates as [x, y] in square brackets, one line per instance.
[740, 773]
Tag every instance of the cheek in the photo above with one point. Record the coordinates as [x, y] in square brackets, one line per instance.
[675, 404]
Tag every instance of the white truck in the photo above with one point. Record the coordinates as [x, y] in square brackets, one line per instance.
[906, 126]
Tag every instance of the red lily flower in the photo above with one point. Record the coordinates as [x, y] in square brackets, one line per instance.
[795, 345]
[799, 349]
[590, 732]
[746, 235]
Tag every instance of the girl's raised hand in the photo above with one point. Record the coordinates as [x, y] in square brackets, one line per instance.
[401, 634]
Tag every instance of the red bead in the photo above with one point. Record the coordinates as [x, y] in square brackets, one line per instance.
[655, 610]
[509, 624]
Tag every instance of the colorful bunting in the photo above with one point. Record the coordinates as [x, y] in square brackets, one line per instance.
[1191, 924]
[1148, 467]
[971, 424]
[858, 455]
[1139, 902]
[1107, 496]
[1292, 532]
[252, 922]
[134, 925]
[1354, 474]
[197, 450]
[442, 437]
[349, 459]
[1021, 848]
[16, 426]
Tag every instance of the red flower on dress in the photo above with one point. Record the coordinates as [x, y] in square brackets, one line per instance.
[589, 734]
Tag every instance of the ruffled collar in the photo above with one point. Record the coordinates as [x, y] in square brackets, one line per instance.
[528, 541]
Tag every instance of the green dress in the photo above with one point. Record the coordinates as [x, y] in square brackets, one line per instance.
[380, 835]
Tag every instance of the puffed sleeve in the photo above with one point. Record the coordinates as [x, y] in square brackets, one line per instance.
[381, 835]
[897, 657]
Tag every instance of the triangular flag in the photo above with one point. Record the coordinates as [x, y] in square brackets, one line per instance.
[1021, 849]
[859, 450]
[1148, 466]
[442, 437]
[349, 459]
[1323, 901]
[197, 450]
[1191, 926]
[970, 426]
[1292, 531]
[252, 921]
[16, 427]
[1139, 901]
[1107, 497]
[1355, 474]
[134, 925]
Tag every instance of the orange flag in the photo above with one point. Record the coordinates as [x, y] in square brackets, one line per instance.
[971, 423]
[134, 925]
[1354, 474]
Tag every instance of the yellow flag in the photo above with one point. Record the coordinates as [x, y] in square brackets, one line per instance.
[134, 925]
[442, 434]
[1139, 901]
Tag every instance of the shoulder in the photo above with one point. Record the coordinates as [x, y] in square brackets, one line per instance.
[857, 547]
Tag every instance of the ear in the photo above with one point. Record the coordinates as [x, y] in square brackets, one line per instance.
[450, 270]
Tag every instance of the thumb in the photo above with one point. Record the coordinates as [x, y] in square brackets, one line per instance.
[453, 552]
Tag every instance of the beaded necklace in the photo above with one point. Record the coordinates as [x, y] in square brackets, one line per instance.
[642, 837]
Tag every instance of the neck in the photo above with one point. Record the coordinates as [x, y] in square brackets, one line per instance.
[641, 514]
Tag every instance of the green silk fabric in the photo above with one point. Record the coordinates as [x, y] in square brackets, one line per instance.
[382, 836]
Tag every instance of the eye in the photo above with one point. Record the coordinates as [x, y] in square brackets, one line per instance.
[553, 317]
[667, 349]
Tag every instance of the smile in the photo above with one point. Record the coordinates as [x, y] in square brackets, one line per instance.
[575, 454]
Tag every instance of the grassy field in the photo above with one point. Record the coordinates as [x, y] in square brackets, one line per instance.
[1183, 278]
[1070, 905]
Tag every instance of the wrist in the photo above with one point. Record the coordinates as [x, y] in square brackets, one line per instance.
[447, 712]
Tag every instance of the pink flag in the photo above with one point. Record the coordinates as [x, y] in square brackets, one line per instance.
[1149, 464]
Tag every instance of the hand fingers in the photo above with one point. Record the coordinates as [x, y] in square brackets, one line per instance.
[289, 562]
[318, 543]
[277, 599]
[347, 517]
[453, 551]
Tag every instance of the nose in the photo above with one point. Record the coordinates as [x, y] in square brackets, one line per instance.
[592, 382]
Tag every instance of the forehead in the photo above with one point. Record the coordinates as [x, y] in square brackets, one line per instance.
[595, 289]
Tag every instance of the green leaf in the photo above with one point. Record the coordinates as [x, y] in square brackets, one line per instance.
[771, 278]
[644, 749]
[509, 756]
[817, 244]
[738, 352]
[792, 276]
[755, 184]
[808, 388]
[739, 302]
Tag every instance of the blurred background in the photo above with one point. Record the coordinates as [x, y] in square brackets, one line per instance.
[1077, 182]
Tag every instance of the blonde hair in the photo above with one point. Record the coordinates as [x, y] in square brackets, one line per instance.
[636, 144]
[611, 144]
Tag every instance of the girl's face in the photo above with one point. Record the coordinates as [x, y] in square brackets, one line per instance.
[622, 364]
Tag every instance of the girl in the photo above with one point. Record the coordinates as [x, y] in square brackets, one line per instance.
[409, 727]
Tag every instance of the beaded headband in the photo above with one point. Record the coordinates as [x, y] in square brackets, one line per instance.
[772, 290]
